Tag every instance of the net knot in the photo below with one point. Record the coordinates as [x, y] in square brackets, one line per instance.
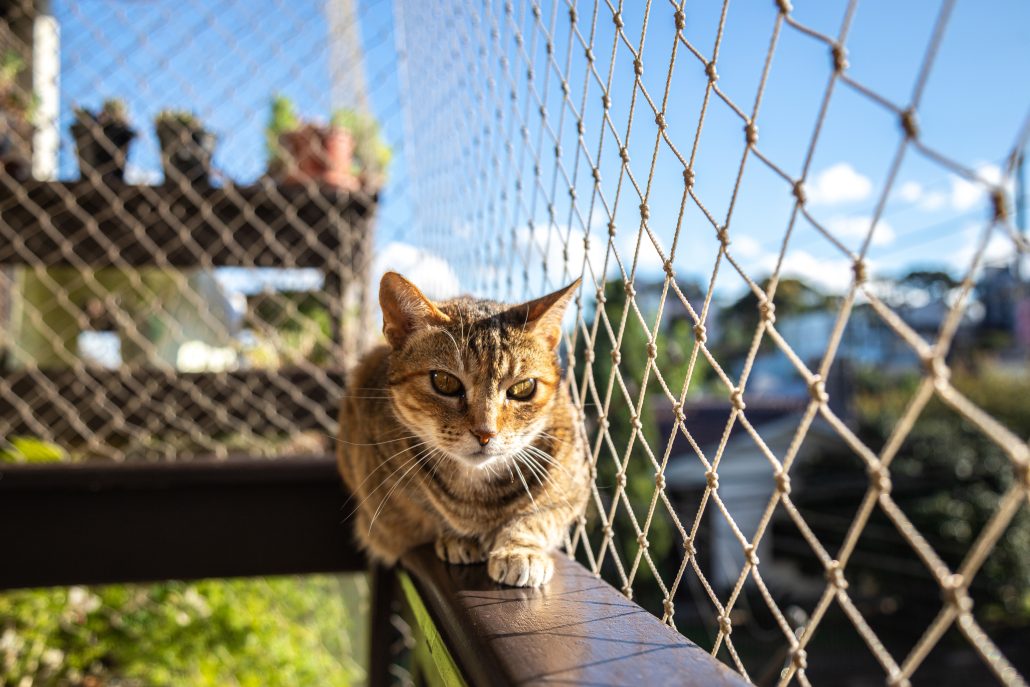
[999, 204]
[724, 236]
[667, 268]
[737, 399]
[767, 311]
[589, 54]
[688, 547]
[642, 541]
[589, 356]
[645, 212]
[859, 270]
[750, 555]
[710, 70]
[700, 333]
[751, 133]
[617, 20]
[635, 423]
[725, 626]
[938, 369]
[680, 17]
[596, 174]
[573, 15]
[799, 192]
[659, 119]
[616, 357]
[667, 607]
[630, 291]
[953, 590]
[881, 479]
[798, 658]
[896, 679]
[600, 291]
[581, 128]
[627, 591]
[638, 66]
[606, 102]
[603, 421]
[586, 244]
[785, 6]
[677, 411]
[782, 482]
[909, 123]
[624, 154]
[688, 178]
[840, 57]
[659, 480]
[712, 478]
[835, 575]
[817, 388]
[620, 480]
[611, 228]
[652, 350]
[607, 531]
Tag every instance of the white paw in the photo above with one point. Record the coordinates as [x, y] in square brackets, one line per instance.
[459, 550]
[520, 567]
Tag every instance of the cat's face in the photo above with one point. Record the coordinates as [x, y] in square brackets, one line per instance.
[474, 379]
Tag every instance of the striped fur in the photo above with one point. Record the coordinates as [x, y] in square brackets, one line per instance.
[414, 459]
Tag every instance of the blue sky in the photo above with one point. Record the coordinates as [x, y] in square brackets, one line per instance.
[224, 60]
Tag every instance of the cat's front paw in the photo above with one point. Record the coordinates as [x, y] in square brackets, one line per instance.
[459, 550]
[520, 567]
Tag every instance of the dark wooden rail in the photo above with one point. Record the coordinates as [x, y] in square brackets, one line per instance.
[77, 223]
[105, 523]
[100, 523]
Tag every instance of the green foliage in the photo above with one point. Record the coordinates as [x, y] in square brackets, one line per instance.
[182, 118]
[371, 153]
[948, 477]
[30, 450]
[11, 65]
[279, 631]
[282, 119]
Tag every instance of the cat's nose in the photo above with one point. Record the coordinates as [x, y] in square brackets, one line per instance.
[483, 435]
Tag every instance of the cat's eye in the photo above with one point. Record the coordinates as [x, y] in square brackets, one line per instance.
[446, 384]
[522, 391]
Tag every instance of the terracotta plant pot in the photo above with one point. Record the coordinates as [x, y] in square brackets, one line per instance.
[324, 155]
[186, 152]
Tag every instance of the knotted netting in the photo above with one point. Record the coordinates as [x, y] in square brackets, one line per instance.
[603, 140]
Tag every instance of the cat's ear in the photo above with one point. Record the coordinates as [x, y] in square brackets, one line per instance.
[405, 309]
[543, 316]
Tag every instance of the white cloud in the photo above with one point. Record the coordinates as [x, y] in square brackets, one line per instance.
[858, 227]
[430, 272]
[1000, 247]
[833, 275]
[910, 191]
[966, 194]
[139, 175]
[933, 200]
[839, 183]
[745, 247]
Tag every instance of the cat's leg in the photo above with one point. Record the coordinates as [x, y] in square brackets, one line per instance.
[520, 555]
[456, 549]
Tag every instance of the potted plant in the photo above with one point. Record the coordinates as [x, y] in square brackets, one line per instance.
[371, 153]
[304, 152]
[102, 141]
[17, 113]
[186, 147]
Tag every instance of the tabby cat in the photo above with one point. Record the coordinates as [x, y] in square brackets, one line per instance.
[460, 432]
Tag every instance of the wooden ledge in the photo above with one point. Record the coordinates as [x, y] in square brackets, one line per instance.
[100, 523]
[578, 630]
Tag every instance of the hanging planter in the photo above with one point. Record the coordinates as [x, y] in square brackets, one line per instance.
[186, 148]
[102, 141]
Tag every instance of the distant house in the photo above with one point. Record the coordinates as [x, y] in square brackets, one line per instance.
[746, 480]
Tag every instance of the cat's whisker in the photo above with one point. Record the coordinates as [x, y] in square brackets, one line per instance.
[522, 478]
[547, 458]
[418, 460]
[373, 443]
[385, 480]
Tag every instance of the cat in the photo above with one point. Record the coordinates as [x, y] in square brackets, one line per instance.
[460, 432]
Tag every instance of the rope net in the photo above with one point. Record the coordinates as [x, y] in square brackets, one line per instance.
[554, 140]
[809, 477]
